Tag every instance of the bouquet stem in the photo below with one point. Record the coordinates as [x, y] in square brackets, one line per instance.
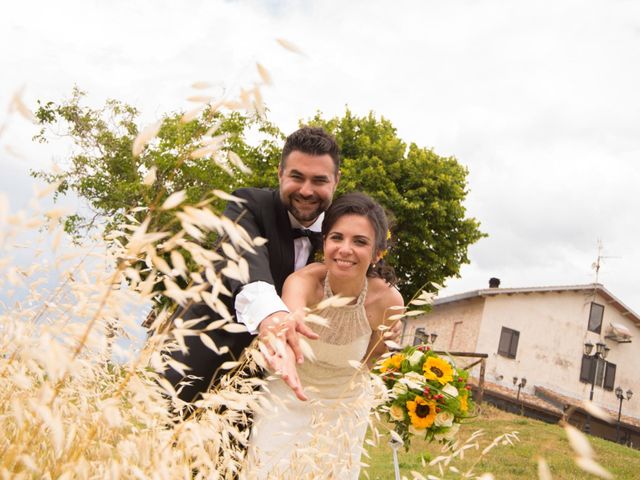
[396, 466]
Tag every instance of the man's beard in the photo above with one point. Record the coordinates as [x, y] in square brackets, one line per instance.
[305, 216]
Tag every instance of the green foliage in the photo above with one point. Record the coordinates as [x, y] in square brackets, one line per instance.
[423, 191]
[104, 172]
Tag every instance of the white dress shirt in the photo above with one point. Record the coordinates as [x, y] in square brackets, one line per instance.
[258, 300]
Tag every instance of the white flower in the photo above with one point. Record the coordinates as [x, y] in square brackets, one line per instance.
[449, 434]
[450, 390]
[396, 412]
[444, 419]
[416, 431]
[415, 358]
[414, 379]
[399, 388]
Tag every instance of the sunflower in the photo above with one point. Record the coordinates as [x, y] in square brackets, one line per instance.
[421, 412]
[392, 363]
[464, 402]
[438, 369]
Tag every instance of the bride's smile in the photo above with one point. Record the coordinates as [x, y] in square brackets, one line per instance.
[349, 250]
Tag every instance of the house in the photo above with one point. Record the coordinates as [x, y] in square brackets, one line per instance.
[538, 335]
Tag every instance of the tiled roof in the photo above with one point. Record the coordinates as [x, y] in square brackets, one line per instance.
[526, 399]
[547, 400]
[564, 400]
[597, 287]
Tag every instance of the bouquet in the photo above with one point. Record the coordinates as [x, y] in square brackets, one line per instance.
[428, 395]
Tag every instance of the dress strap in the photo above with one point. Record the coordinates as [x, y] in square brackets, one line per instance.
[363, 293]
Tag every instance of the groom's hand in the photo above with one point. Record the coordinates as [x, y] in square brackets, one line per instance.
[286, 327]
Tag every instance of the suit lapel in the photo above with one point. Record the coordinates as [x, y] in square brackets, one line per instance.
[284, 243]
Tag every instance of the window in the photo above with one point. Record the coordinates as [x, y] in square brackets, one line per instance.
[600, 371]
[586, 369]
[508, 345]
[605, 372]
[595, 317]
[609, 376]
[419, 336]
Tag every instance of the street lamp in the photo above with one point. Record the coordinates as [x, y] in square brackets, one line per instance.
[424, 337]
[601, 352]
[523, 382]
[619, 394]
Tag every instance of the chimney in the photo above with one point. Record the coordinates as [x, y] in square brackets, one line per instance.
[494, 282]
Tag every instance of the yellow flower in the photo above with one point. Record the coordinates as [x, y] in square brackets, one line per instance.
[396, 412]
[421, 412]
[464, 403]
[392, 363]
[438, 369]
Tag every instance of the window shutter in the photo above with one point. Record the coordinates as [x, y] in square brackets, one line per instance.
[595, 317]
[513, 347]
[508, 345]
[609, 376]
[599, 371]
[585, 369]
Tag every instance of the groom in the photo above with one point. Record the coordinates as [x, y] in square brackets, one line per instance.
[290, 219]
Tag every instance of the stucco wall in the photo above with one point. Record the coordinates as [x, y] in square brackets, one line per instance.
[626, 356]
[457, 325]
[553, 330]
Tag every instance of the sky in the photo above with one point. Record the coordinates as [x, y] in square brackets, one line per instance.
[539, 100]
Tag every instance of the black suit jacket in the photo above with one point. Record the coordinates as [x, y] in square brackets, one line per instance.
[264, 215]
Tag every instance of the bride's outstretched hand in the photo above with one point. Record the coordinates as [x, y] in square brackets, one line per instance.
[280, 346]
[287, 327]
[282, 361]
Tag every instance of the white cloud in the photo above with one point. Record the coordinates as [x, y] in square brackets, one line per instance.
[538, 99]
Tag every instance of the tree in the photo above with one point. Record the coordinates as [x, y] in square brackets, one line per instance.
[104, 172]
[423, 191]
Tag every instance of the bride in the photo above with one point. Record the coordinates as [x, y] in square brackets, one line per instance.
[323, 437]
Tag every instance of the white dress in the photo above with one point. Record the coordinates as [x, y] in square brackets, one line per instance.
[322, 437]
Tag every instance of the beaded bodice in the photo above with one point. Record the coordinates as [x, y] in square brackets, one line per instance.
[344, 338]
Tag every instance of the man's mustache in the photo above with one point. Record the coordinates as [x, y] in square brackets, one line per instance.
[312, 198]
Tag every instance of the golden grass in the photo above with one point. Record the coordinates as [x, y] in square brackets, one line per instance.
[67, 409]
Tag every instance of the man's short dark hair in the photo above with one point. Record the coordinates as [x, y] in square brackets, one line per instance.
[312, 141]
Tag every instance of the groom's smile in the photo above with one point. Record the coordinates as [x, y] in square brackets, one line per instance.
[307, 184]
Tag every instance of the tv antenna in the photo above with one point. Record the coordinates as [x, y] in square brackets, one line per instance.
[598, 263]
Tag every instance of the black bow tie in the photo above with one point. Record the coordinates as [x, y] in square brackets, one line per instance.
[314, 237]
[304, 232]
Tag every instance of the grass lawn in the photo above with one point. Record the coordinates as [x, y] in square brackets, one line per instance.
[504, 461]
